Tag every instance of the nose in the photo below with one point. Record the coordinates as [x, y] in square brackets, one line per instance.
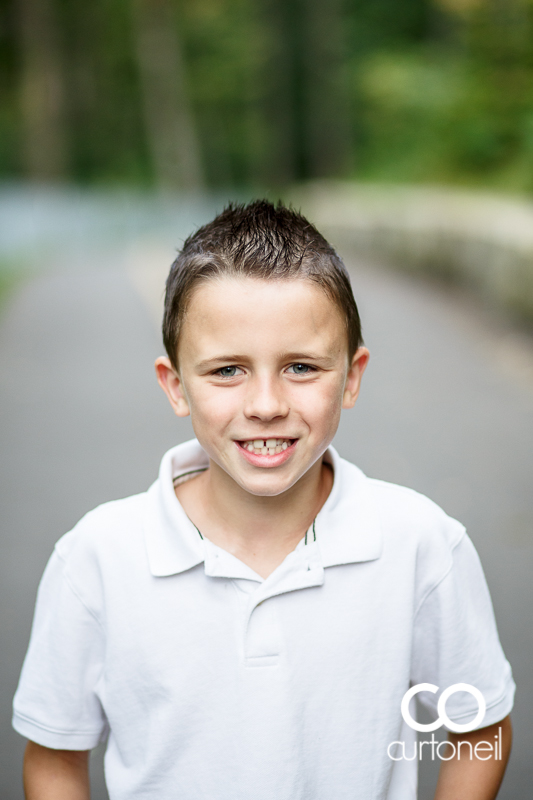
[265, 399]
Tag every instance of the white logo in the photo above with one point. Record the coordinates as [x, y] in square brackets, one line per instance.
[441, 707]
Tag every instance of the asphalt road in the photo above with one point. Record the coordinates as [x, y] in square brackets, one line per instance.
[446, 408]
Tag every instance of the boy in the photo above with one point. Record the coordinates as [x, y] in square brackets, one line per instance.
[250, 625]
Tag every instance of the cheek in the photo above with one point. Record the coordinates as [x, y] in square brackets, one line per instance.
[214, 408]
[319, 403]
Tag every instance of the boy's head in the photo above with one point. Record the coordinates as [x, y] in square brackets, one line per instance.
[259, 241]
[264, 344]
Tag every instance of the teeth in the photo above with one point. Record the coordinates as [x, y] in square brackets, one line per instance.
[266, 446]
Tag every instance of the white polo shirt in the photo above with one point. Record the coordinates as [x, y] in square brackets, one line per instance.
[214, 684]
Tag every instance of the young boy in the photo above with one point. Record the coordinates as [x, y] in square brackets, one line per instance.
[249, 626]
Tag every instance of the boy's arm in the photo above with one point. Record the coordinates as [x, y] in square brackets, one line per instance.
[56, 774]
[475, 779]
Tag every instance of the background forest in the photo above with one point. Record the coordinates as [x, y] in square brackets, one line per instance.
[261, 93]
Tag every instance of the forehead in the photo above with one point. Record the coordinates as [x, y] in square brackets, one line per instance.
[261, 316]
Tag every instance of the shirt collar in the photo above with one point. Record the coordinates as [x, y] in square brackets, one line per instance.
[347, 526]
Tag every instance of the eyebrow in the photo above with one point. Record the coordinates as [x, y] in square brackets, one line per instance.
[212, 362]
[304, 357]
[236, 358]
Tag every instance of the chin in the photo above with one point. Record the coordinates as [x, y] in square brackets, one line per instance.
[269, 488]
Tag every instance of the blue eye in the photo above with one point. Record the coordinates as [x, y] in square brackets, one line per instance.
[300, 369]
[227, 372]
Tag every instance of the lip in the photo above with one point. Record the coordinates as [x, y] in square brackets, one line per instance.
[267, 461]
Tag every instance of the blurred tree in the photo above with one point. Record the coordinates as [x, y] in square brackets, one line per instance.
[303, 98]
[319, 85]
[106, 126]
[42, 91]
[457, 106]
[278, 99]
[169, 124]
[264, 92]
[460, 6]
[493, 135]
[10, 162]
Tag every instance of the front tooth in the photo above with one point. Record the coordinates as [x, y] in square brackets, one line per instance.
[271, 451]
[270, 443]
[264, 451]
[258, 443]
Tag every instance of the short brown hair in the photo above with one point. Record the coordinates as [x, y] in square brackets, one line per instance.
[257, 240]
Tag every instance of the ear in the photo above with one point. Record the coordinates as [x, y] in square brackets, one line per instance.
[353, 378]
[172, 385]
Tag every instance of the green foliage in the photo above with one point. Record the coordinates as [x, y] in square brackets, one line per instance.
[458, 112]
[284, 90]
[12, 274]
[223, 46]
[9, 161]
[378, 24]
[106, 136]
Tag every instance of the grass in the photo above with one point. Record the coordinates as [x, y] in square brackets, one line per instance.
[11, 275]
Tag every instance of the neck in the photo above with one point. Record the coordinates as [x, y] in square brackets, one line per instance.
[260, 531]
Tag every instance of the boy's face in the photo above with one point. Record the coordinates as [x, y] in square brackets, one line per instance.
[263, 360]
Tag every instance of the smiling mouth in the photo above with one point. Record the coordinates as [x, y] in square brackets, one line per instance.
[266, 447]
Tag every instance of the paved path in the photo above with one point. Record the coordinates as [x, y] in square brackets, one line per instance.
[446, 408]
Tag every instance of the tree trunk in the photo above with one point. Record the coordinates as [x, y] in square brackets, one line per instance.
[306, 99]
[327, 145]
[42, 92]
[168, 119]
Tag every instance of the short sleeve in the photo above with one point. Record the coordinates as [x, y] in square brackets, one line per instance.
[456, 641]
[56, 703]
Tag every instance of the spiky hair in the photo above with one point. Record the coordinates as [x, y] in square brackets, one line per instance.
[257, 240]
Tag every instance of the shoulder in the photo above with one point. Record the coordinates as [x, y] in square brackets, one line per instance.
[401, 511]
[418, 535]
[104, 527]
[105, 547]
[407, 513]
[418, 538]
